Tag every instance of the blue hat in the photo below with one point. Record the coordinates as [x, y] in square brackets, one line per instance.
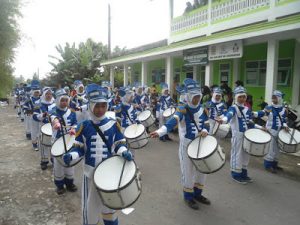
[28, 88]
[239, 90]
[105, 83]
[191, 86]
[217, 90]
[164, 85]
[77, 82]
[179, 89]
[60, 92]
[123, 91]
[45, 89]
[35, 84]
[96, 93]
[278, 93]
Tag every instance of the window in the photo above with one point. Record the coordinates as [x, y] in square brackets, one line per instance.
[201, 76]
[255, 73]
[224, 72]
[284, 72]
[158, 75]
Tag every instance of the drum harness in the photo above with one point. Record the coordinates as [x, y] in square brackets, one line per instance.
[98, 130]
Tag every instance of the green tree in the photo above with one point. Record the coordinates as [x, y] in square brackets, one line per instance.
[9, 39]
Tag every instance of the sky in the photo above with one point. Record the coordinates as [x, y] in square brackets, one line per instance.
[47, 23]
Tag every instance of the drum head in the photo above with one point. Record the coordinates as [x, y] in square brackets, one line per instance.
[257, 136]
[57, 148]
[47, 129]
[168, 112]
[111, 115]
[144, 115]
[285, 136]
[134, 130]
[208, 145]
[107, 174]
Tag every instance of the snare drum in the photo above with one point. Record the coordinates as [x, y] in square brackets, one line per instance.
[146, 118]
[220, 130]
[46, 131]
[206, 154]
[57, 149]
[288, 144]
[256, 142]
[136, 136]
[169, 112]
[107, 178]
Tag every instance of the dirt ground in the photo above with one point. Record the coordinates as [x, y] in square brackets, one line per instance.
[27, 194]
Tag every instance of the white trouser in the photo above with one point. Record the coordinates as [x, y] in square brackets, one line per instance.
[273, 150]
[61, 172]
[239, 158]
[189, 175]
[92, 205]
[27, 120]
[35, 130]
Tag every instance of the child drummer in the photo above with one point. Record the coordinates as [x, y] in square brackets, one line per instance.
[190, 118]
[240, 118]
[63, 120]
[97, 139]
[276, 114]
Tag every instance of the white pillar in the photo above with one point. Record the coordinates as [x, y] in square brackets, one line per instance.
[195, 73]
[112, 75]
[209, 19]
[169, 73]
[236, 71]
[272, 68]
[296, 76]
[209, 74]
[125, 75]
[144, 73]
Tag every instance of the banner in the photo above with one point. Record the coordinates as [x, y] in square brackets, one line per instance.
[195, 56]
[227, 50]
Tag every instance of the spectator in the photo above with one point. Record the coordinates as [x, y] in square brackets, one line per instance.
[239, 83]
[227, 92]
[188, 8]
[249, 101]
[196, 4]
[206, 95]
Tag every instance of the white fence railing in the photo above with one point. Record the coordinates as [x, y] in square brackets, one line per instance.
[226, 9]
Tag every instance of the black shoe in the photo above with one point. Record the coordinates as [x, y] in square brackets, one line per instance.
[192, 204]
[44, 166]
[60, 191]
[168, 138]
[71, 188]
[202, 200]
[163, 139]
[278, 168]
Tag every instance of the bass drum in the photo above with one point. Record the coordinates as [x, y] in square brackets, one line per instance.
[288, 143]
[116, 194]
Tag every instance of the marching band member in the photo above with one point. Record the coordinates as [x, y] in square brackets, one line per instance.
[41, 114]
[190, 119]
[240, 119]
[32, 104]
[62, 118]
[97, 139]
[165, 102]
[276, 114]
[137, 99]
[145, 99]
[27, 115]
[79, 101]
[125, 109]
[217, 107]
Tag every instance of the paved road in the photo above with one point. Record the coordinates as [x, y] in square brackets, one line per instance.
[27, 194]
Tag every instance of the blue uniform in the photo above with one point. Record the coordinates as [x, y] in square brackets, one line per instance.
[276, 121]
[192, 179]
[127, 113]
[90, 145]
[62, 175]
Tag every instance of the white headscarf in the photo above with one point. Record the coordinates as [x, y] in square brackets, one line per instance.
[43, 98]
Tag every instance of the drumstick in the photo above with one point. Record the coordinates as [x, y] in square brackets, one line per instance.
[292, 136]
[64, 140]
[198, 151]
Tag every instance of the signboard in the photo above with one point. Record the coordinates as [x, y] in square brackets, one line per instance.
[195, 56]
[227, 50]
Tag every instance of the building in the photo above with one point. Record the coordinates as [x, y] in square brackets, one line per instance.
[256, 41]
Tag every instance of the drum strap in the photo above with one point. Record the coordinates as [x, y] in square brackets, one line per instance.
[242, 115]
[192, 118]
[279, 117]
[101, 135]
[127, 114]
[165, 102]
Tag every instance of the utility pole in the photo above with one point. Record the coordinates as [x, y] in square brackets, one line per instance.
[109, 32]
